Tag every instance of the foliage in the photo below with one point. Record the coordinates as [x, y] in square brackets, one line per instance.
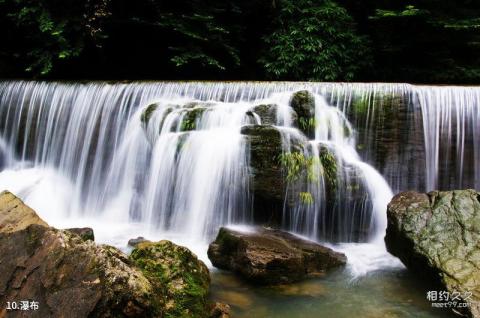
[314, 40]
[49, 31]
[296, 164]
[427, 41]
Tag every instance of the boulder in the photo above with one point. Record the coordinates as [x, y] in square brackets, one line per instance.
[177, 274]
[268, 257]
[15, 215]
[437, 236]
[54, 267]
[86, 233]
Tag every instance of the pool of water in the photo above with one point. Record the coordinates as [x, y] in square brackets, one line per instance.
[388, 293]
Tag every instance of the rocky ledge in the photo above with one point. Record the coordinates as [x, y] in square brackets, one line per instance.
[64, 271]
[265, 256]
[437, 236]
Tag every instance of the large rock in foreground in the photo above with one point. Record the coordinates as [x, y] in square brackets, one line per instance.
[64, 274]
[69, 275]
[267, 256]
[437, 235]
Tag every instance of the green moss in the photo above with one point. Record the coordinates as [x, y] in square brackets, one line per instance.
[191, 118]
[329, 169]
[176, 273]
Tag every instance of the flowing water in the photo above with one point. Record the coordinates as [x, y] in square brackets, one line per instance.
[169, 160]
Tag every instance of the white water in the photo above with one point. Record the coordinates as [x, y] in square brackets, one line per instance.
[83, 157]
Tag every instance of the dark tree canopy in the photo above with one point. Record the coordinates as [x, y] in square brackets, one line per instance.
[431, 41]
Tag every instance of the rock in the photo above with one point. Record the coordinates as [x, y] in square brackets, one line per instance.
[147, 113]
[70, 275]
[267, 113]
[219, 310]
[176, 273]
[436, 235]
[134, 242]
[15, 215]
[268, 257]
[85, 233]
[67, 274]
[268, 184]
[303, 103]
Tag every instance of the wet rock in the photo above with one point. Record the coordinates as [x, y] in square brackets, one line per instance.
[303, 103]
[268, 184]
[219, 310]
[134, 242]
[85, 233]
[176, 273]
[436, 235]
[15, 215]
[267, 113]
[266, 256]
[147, 113]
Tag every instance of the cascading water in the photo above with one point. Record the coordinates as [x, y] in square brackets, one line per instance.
[170, 160]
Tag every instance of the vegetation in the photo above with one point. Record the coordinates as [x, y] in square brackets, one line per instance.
[323, 40]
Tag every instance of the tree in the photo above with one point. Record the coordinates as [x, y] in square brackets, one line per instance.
[314, 40]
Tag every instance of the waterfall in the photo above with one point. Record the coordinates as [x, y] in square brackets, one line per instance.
[171, 157]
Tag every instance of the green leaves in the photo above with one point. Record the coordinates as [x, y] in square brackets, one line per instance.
[314, 40]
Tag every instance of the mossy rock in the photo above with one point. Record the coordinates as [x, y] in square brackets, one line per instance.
[147, 113]
[191, 118]
[436, 236]
[175, 272]
[303, 103]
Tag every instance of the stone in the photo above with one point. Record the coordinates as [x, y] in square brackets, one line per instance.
[268, 257]
[437, 235]
[303, 103]
[134, 242]
[175, 272]
[15, 215]
[86, 233]
[267, 113]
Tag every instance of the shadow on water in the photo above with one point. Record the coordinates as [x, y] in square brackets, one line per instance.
[381, 294]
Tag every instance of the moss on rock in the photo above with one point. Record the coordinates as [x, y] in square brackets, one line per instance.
[176, 273]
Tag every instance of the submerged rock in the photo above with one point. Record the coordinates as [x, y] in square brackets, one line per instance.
[177, 274]
[437, 235]
[266, 256]
[85, 233]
